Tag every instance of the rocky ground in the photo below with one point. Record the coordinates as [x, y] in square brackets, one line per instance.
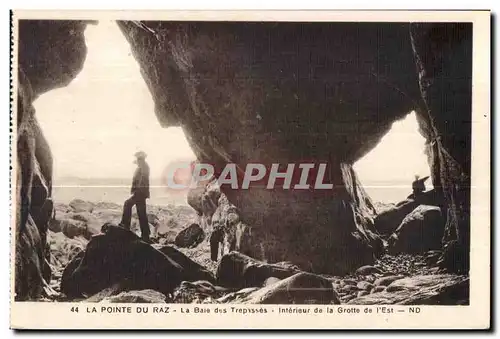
[402, 278]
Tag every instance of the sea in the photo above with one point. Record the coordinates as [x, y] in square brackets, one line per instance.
[118, 190]
[112, 190]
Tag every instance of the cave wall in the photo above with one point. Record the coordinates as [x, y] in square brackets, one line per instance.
[444, 62]
[50, 54]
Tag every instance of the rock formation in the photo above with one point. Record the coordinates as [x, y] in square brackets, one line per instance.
[190, 236]
[443, 54]
[274, 93]
[419, 232]
[222, 221]
[389, 219]
[51, 53]
[239, 271]
[119, 257]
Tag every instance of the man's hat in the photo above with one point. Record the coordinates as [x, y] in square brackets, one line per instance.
[140, 155]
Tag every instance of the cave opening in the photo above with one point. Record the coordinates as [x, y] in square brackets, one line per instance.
[388, 170]
[96, 124]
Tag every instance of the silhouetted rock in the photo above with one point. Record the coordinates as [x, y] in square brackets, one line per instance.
[192, 270]
[388, 220]
[239, 271]
[190, 236]
[420, 231]
[119, 256]
[67, 282]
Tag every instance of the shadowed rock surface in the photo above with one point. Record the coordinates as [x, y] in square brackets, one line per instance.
[444, 61]
[274, 93]
[419, 232]
[190, 236]
[192, 270]
[51, 53]
[388, 220]
[119, 257]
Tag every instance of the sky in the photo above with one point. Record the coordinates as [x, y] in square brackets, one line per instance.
[96, 124]
[390, 162]
[106, 114]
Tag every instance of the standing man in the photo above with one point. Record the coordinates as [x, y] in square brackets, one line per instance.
[140, 192]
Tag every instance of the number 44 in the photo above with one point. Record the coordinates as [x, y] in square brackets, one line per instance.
[74, 309]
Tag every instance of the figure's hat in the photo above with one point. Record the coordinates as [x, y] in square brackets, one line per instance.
[140, 155]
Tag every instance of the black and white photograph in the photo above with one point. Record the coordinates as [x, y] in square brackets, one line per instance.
[244, 163]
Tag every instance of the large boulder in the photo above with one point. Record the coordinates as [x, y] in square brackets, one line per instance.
[192, 270]
[419, 232]
[190, 236]
[389, 219]
[128, 261]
